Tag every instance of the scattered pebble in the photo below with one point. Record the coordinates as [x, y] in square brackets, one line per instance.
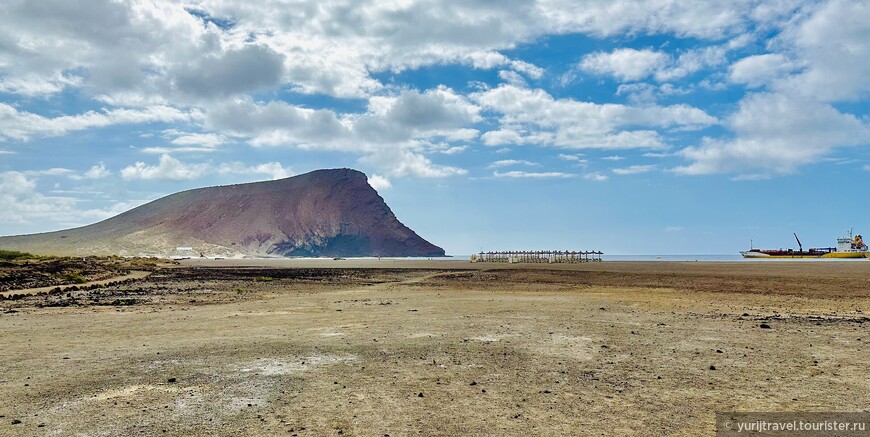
[764, 326]
[712, 367]
[171, 380]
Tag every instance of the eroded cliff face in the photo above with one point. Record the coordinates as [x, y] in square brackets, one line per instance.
[322, 213]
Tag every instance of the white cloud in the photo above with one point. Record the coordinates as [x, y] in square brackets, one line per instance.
[758, 70]
[833, 45]
[534, 117]
[627, 64]
[624, 64]
[56, 171]
[613, 158]
[634, 169]
[775, 133]
[22, 125]
[207, 140]
[169, 168]
[532, 175]
[97, 171]
[401, 121]
[401, 163]
[379, 182]
[22, 204]
[575, 157]
[645, 93]
[818, 59]
[596, 177]
[511, 162]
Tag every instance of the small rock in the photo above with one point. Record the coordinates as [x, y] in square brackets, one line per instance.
[171, 380]
[420, 395]
[764, 326]
[719, 351]
[473, 383]
[16, 422]
[712, 367]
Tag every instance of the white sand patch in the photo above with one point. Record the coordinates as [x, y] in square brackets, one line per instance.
[580, 348]
[490, 338]
[286, 366]
[136, 390]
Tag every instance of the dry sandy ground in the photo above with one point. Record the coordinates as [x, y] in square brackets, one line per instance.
[435, 349]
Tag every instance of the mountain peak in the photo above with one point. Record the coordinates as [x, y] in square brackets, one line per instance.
[331, 212]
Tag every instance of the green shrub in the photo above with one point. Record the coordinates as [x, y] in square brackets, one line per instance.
[74, 277]
[8, 255]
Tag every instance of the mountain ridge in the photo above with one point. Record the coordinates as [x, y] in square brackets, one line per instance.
[330, 212]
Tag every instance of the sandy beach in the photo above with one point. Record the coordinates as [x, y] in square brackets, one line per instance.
[398, 347]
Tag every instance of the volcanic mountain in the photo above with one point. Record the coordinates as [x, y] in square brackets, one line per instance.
[333, 213]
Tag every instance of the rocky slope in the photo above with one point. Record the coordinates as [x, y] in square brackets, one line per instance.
[323, 213]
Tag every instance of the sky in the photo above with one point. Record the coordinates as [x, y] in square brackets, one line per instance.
[631, 127]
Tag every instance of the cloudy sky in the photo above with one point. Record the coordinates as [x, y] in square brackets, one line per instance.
[633, 127]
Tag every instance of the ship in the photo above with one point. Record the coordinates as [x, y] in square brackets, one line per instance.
[847, 247]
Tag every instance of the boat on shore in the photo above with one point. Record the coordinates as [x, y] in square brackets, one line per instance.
[847, 247]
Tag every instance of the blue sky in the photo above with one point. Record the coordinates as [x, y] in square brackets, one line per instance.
[649, 127]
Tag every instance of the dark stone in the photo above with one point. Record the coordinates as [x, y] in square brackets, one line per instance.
[712, 367]
[171, 380]
[764, 326]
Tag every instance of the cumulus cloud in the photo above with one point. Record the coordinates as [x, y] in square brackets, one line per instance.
[249, 68]
[530, 116]
[627, 64]
[97, 171]
[22, 205]
[624, 64]
[758, 70]
[404, 119]
[595, 177]
[400, 163]
[819, 59]
[771, 135]
[23, 125]
[379, 182]
[169, 168]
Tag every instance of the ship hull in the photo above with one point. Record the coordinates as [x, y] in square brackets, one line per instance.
[847, 255]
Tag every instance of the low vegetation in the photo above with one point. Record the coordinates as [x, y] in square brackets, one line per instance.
[10, 255]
